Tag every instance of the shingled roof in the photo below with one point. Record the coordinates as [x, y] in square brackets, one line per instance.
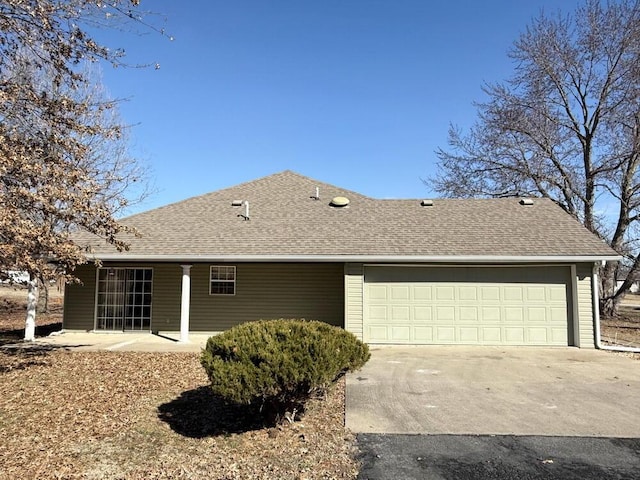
[287, 223]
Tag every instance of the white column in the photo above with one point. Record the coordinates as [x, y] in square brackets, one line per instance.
[184, 305]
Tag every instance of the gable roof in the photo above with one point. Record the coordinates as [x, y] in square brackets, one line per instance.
[287, 223]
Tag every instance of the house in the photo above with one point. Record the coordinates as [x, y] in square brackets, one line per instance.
[475, 271]
[621, 275]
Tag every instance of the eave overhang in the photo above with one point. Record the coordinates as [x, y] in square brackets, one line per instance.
[471, 259]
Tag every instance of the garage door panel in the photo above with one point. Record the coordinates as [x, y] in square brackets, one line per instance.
[514, 335]
[492, 335]
[558, 336]
[468, 314]
[421, 293]
[445, 293]
[377, 292]
[491, 314]
[511, 294]
[401, 334]
[423, 334]
[399, 293]
[513, 314]
[400, 314]
[536, 293]
[538, 335]
[422, 314]
[379, 332]
[558, 314]
[511, 306]
[468, 293]
[445, 314]
[557, 294]
[445, 334]
[489, 294]
[378, 313]
[537, 314]
[469, 334]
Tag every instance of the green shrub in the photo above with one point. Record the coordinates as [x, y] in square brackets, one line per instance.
[279, 364]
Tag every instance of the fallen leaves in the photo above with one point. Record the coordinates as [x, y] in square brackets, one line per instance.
[118, 415]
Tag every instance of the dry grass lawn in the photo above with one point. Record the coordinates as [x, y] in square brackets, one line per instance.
[624, 329]
[147, 415]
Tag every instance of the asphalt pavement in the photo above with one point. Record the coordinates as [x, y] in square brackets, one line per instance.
[498, 457]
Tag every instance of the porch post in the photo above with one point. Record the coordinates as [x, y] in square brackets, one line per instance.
[184, 305]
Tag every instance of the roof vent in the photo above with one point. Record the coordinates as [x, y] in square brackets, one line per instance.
[427, 203]
[526, 201]
[317, 195]
[239, 203]
[339, 202]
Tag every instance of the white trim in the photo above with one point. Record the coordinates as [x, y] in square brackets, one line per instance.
[574, 306]
[235, 276]
[359, 258]
[465, 265]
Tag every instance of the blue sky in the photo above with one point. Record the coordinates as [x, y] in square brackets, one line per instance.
[355, 93]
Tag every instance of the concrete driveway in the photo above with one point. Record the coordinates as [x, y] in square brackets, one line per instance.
[495, 390]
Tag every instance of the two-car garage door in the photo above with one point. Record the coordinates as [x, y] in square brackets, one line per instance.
[467, 305]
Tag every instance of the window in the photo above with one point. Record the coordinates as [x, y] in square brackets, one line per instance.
[223, 280]
[124, 299]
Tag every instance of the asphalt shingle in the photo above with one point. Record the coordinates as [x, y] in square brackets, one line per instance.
[285, 220]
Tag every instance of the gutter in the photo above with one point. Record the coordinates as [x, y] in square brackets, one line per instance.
[358, 258]
[596, 314]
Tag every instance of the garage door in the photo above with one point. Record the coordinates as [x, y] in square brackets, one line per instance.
[467, 305]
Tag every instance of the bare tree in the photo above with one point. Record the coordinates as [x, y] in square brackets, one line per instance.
[566, 126]
[63, 164]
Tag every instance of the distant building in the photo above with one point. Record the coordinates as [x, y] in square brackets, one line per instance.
[14, 276]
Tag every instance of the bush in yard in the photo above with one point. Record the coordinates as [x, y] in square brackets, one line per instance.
[280, 364]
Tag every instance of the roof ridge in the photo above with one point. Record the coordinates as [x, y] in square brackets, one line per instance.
[282, 173]
[327, 184]
[206, 194]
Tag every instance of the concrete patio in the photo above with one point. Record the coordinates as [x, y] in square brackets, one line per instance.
[124, 342]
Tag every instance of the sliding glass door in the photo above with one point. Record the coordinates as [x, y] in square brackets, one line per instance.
[124, 299]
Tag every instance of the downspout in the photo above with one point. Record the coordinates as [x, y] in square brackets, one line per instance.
[596, 317]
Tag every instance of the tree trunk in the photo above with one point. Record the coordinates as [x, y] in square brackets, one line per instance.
[44, 293]
[607, 287]
[32, 303]
[609, 306]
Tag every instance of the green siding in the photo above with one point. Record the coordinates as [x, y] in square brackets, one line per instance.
[165, 306]
[313, 291]
[584, 300]
[79, 300]
[354, 296]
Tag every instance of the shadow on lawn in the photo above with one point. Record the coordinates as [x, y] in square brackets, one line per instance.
[199, 413]
[22, 355]
[14, 336]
